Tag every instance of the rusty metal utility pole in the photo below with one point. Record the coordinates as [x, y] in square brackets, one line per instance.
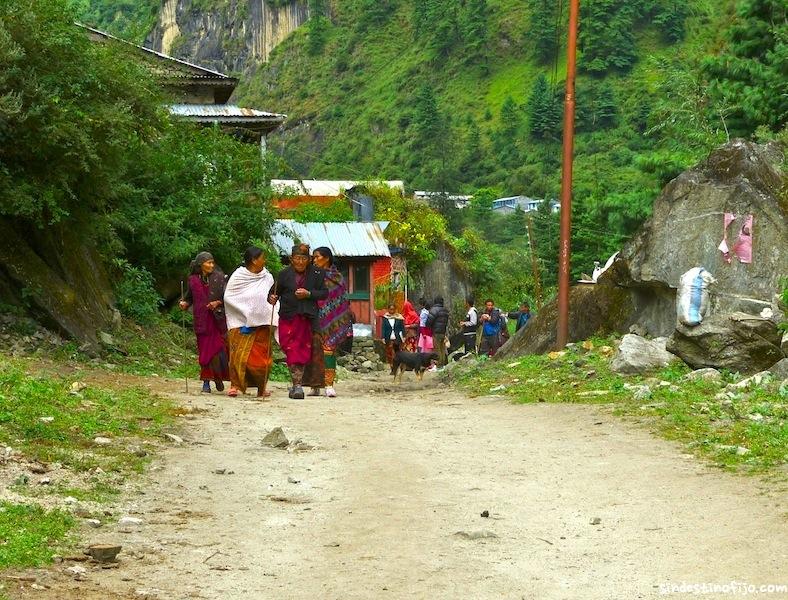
[564, 249]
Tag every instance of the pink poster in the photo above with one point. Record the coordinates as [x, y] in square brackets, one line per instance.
[743, 246]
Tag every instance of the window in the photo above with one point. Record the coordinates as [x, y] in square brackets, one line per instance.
[360, 279]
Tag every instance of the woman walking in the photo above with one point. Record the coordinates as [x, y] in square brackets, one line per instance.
[334, 326]
[204, 293]
[299, 287]
[249, 319]
[411, 318]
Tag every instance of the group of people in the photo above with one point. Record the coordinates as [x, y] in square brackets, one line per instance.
[427, 331]
[487, 332]
[236, 320]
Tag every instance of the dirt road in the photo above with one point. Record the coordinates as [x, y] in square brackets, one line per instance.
[387, 504]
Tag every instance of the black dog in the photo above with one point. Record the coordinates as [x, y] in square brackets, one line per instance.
[412, 361]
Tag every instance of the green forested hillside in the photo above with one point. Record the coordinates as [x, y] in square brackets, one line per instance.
[463, 95]
[453, 95]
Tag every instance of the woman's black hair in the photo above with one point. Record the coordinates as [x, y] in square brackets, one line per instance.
[325, 252]
[251, 253]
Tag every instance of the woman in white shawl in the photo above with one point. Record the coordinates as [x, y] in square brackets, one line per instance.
[249, 321]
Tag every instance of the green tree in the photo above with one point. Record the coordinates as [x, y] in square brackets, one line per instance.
[543, 30]
[544, 112]
[473, 153]
[607, 39]
[69, 110]
[596, 106]
[480, 206]
[428, 123]
[193, 189]
[419, 19]
[443, 25]
[751, 76]
[317, 27]
[671, 16]
[507, 134]
[475, 31]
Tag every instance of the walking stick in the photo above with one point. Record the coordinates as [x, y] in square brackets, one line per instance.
[270, 345]
[183, 325]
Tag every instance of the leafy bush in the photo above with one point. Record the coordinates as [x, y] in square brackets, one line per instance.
[72, 104]
[136, 295]
[412, 225]
[194, 189]
[312, 212]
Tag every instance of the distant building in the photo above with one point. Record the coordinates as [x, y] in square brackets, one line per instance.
[460, 201]
[524, 203]
[200, 95]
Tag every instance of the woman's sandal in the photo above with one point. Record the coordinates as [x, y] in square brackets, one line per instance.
[233, 393]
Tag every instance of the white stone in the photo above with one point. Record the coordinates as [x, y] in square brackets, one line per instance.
[637, 355]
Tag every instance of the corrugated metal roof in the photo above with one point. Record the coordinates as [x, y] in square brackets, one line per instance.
[344, 239]
[221, 110]
[204, 71]
[314, 187]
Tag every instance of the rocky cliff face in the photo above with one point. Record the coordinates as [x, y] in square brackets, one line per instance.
[226, 35]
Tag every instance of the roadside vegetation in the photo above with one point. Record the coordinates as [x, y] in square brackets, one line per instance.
[71, 438]
[740, 429]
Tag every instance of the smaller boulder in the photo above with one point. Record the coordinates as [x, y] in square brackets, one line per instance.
[637, 355]
[707, 374]
[780, 369]
[736, 342]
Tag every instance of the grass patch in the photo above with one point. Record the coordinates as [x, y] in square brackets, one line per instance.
[164, 349]
[742, 430]
[31, 535]
[574, 377]
[44, 419]
[41, 416]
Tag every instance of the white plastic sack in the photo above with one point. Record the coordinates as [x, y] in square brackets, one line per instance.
[692, 300]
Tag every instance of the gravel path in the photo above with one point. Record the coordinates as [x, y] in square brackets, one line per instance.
[384, 496]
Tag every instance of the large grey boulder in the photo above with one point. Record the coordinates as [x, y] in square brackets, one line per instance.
[637, 355]
[736, 342]
[686, 226]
